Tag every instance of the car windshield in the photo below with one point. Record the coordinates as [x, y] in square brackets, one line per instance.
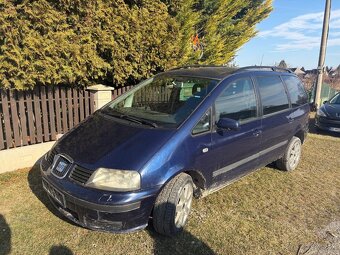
[164, 100]
[335, 99]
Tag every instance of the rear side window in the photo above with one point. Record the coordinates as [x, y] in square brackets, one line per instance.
[273, 94]
[237, 101]
[296, 91]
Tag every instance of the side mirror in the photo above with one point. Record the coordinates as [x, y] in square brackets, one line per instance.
[229, 124]
[325, 102]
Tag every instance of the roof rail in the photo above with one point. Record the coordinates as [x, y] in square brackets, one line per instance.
[192, 66]
[271, 68]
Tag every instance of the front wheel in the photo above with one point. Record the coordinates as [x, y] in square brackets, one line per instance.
[173, 205]
[291, 158]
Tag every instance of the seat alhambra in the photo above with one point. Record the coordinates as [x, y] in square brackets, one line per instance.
[179, 135]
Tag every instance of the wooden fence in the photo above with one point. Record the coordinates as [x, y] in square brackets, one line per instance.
[119, 91]
[38, 115]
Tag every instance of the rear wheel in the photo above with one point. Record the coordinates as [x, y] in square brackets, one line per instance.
[291, 158]
[173, 205]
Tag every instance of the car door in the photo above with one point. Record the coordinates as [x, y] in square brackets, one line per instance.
[235, 152]
[299, 103]
[276, 121]
[200, 146]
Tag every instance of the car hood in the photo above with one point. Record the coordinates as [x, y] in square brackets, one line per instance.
[332, 110]
[104, 141]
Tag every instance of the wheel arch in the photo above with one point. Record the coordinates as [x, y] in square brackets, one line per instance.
[197, 178]
[301, 135]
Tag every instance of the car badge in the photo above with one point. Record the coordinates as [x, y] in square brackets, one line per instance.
[61, 166]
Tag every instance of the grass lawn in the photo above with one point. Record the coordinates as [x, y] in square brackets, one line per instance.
[268, 212]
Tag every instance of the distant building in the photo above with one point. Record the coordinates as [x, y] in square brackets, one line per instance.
[330, 77]
[298, 71]
[334, 72]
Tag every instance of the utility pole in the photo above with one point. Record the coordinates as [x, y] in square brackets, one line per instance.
[323, 47]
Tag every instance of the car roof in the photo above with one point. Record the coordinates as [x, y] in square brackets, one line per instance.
[219, 72]
[214, 72]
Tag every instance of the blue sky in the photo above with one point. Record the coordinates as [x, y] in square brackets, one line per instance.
[293, 32]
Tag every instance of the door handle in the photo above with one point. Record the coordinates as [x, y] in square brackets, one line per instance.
[257, 132]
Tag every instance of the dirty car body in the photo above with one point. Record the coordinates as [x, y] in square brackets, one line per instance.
[106, 173]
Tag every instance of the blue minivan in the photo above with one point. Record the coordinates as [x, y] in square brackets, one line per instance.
[184, 133]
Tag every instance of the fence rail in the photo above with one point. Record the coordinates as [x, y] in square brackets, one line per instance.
[38, 115]
[119, 91]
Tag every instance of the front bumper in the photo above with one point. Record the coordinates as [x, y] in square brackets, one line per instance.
[327, 124]
[99, 210]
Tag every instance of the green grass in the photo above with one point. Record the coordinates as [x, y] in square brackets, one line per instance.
[268, 212]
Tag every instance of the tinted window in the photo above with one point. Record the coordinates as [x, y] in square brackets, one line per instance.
[237, 102]
[273, 94]
[204, 124]
[296, 91]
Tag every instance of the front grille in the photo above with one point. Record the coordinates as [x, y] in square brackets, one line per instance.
[80, 174]
[50, 156]
[46, 163]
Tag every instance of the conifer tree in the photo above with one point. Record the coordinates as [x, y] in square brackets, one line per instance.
[223, 27]
[76, 42]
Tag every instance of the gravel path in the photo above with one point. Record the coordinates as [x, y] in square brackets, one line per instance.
[329, 244]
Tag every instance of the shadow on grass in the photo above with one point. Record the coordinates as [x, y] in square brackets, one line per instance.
[35, 184]
[184, 243]
[60, 250]
[5, 237]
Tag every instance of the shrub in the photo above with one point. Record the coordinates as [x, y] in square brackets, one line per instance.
[77, 42]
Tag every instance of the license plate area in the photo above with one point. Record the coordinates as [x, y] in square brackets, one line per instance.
[334, 129]
[54, 193]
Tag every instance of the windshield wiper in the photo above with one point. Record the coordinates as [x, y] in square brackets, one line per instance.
[131, 118]
[139, 120]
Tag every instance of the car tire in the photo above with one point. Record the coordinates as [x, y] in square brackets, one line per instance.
[173, 204]
[291, 158]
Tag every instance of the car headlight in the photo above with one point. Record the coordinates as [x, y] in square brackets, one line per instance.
[321, 113]
[114, 180]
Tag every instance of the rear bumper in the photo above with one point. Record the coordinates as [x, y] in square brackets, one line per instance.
[118, 212]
